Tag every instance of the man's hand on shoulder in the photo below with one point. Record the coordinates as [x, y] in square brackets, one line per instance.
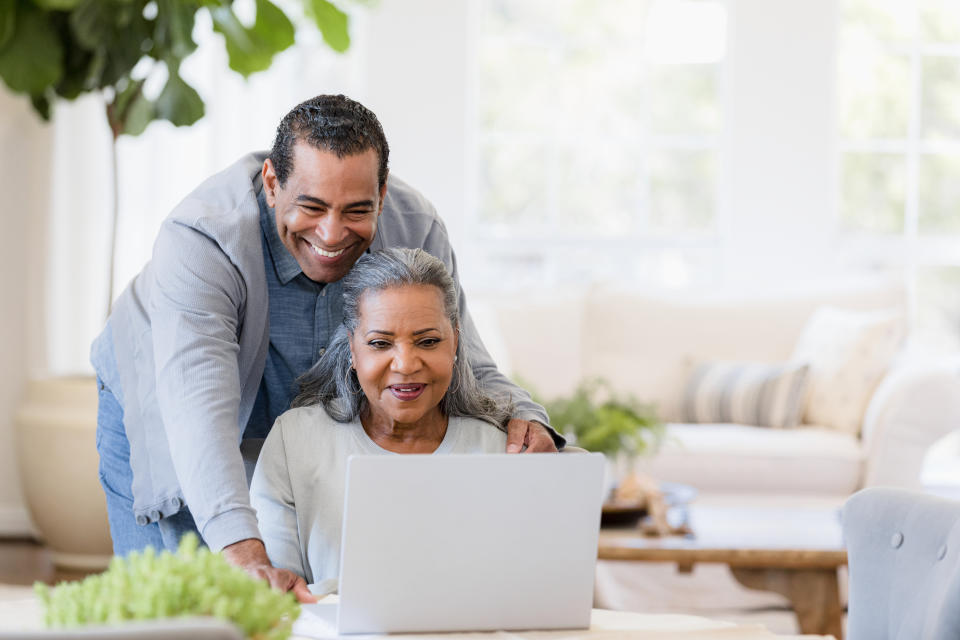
[251, 556]
[530, 434]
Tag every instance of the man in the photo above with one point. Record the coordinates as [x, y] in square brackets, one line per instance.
[202, 350]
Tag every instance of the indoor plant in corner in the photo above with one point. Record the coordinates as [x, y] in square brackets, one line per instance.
[62, 49]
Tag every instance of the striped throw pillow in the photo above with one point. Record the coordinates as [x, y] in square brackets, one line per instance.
[766, 395]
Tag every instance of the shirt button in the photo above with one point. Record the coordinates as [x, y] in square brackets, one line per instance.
[896, 540]
[176, 503]
[154, 516]
[142, 520]
[322, 351]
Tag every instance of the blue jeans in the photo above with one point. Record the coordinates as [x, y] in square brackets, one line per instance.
[116, 478]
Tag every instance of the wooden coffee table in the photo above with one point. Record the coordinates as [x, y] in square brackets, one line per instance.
[791, 546]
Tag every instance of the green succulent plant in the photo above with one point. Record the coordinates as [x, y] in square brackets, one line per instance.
[597, 418]
[192, 582]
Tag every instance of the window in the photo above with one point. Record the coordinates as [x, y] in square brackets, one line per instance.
[598, 129]
[899, 96]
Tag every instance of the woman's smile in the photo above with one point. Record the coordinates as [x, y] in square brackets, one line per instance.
[407, 392]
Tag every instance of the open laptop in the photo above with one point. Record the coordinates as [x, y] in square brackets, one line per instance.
[467, 543]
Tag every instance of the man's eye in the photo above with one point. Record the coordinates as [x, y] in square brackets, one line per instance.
[357, 215]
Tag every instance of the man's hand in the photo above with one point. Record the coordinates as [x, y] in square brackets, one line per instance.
[251, 556]
[530, 434]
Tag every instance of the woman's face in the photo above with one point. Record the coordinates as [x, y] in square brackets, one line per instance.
[403, 350]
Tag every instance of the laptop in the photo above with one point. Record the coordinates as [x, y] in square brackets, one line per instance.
[467, 543]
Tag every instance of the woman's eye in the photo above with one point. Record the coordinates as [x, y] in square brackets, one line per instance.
[429, 342]
[379, 344]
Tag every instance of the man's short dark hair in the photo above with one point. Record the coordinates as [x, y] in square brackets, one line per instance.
[332, 123]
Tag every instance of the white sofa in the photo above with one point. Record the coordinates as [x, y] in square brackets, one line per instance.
[644, 344]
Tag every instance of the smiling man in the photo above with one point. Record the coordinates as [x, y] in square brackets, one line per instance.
[241, 296]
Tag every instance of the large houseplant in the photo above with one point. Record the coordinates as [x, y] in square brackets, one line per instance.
[62, 49]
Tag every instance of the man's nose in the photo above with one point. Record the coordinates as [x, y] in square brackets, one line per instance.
[331, 230]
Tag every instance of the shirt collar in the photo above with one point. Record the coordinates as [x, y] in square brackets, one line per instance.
[284, 263]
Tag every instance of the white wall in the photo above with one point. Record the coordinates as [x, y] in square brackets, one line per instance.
[25, 182]
[779, 145]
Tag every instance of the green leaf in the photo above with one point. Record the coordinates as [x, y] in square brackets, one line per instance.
[179, 102]
[8, 17]
[140, 113]
[32, 59]
[57, 5]
[244, 54]
[174, 27]
[41, 104]
[92, 23]
[273, 27]
[251, 50]
[332, 24]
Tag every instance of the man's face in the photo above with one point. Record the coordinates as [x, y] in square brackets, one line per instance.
[327, 211]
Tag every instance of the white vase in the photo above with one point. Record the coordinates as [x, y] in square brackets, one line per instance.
[56, 428]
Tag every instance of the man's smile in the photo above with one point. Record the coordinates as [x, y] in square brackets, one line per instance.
[325, 253]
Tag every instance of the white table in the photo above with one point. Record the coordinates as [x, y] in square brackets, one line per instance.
[20, 611]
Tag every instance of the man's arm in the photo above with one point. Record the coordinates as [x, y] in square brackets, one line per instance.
[529, 428]
[195, 311]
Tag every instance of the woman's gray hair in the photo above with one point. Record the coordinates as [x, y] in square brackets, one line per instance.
[332, 382]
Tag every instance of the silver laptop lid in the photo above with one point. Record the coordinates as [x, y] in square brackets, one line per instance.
[469, 542]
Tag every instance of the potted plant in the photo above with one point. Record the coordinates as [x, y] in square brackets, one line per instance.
[54, 50]
[597, 418]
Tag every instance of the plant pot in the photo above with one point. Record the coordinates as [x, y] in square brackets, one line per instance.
[56, 429]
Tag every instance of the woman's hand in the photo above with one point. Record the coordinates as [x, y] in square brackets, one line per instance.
[532, 435]
[251, 556]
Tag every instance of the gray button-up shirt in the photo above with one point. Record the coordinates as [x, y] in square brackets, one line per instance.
[302, 313]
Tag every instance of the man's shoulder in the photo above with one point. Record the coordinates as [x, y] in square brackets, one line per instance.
[223, 208]
[224, 198]
[410, 220]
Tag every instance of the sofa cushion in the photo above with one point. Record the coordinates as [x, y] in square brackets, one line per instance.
[734, 458]
[848, 352]
[765, 395]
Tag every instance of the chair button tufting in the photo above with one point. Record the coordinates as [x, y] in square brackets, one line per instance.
[942, 552]
[896, 540]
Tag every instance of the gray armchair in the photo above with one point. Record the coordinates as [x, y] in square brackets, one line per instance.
[904, 557]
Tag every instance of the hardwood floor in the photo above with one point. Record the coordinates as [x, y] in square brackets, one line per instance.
[24, 561]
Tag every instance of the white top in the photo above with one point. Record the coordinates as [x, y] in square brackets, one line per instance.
[299, 483]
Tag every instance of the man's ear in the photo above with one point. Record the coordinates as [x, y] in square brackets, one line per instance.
[270, 183]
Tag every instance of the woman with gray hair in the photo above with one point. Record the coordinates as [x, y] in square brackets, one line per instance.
[394, 379]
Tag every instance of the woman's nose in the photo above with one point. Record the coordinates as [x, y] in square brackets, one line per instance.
[405, 360]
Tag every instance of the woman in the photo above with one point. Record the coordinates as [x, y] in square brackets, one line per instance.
[393, 380]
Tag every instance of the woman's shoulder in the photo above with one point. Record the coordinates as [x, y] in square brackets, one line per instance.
[301, 421]
[479, 435]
